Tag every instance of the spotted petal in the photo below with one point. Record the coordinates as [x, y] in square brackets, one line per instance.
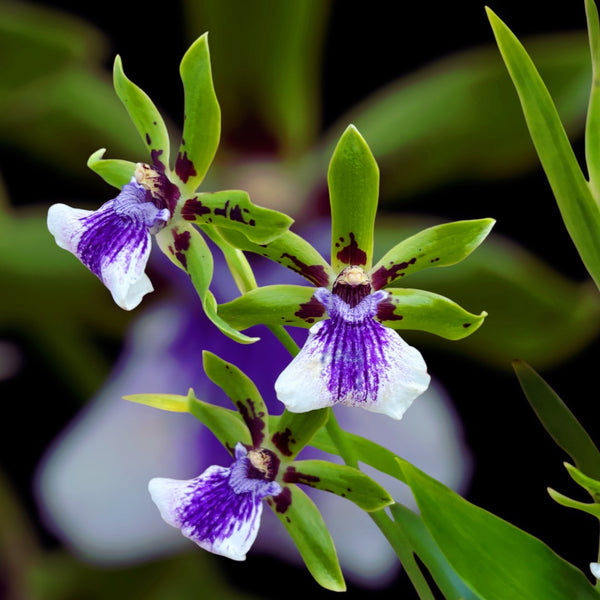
[113, 241]
[220, 510]
[352, 359]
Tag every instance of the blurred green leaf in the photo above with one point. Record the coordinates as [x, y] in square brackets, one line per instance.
[145, 116]
[592, 127]
[438, 246]
[241, 390]
[289, 250]
[424, 311]
[459, 118]
[517, 564]
[305, 525]
[277, 82]
[186, 248]
[558, 420]
[451, 585]
[342, 480]
[202, 117]
[114, 171]
[232, 209]
[353, 180]
[579, 209]
[534, 312]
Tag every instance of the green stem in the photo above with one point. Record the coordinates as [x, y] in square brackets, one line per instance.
[285, 338]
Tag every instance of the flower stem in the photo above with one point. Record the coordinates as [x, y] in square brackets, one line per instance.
[285, 338]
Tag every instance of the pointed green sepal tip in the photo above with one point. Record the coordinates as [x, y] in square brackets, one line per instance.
[353, 180]
[115, 172]
[588, 507]
[592, 486]
[168, 402]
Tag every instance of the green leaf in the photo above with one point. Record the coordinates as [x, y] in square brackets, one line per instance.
[579, 209]
[451, 585]
[186, 248]
[293, 431]
[514, 564]
[305, 525]
[353, 180]
[558, 420]
[427, 124]
[426, 311]
[592, 127]
[242, 392]
[588, 483]
[289, 250]
[276, 86]
[114, 171]
[437, 246]
[226, 424]
[232, 209]
[342, 480]
[202, 119]
[145, 116]
[273, 305]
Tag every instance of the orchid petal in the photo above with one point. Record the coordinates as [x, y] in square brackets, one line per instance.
[220, 510]
[352, 359]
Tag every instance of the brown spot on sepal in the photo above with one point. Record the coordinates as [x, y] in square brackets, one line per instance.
[292, 475]
[184, 167]
[316, 274]
[181, 246]
[385, 311]
[254, 420]
[352, 254]
[282, 501]
[193, 208]
[282, 441]
[310, 311]
[383, 275]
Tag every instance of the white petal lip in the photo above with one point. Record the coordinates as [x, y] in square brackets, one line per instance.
[124, 274]
[595, 569]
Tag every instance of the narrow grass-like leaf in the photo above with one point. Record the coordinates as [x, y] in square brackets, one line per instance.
[305, 524]
[353, 180]
[558, 420]
[114, 171]
[592, 126]
[145, 116]
[342, 480]
[168, 402]
[273, 305]
[202, 118]
[293, 431]
[516, 565]
[437, 246]
[425, 311]
[579, 210]
[186, 248]
[242, 392]
[451, 585]
[289, 250]
[232, 209]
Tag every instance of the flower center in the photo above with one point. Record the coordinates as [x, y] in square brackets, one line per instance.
[164, 193]
[263, 464]
[352, 285]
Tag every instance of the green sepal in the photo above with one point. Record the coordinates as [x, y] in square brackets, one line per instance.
[425, 311]
[232, 209]
[145, 116]
[450, 584]
[307, 529]
[591, 508]
[226, 424]
[342, 480]
[202, 119]
[592, 126]
[186, 248]
[517, 564]
[289, 250]
[558, 420]
[115, 171]
[438, 246]
[293, 431]
[282, 304]
[242, 392]
[353, 180]
[236, 260]
[579, 209]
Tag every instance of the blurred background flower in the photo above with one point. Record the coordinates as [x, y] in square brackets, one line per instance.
[432, 98]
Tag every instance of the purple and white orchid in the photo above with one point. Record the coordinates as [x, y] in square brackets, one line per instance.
[351, 358]
[220, 510]
[114, 242]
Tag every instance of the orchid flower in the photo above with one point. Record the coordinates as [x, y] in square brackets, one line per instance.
[114, 241]
[220, 510]
[355, 357]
